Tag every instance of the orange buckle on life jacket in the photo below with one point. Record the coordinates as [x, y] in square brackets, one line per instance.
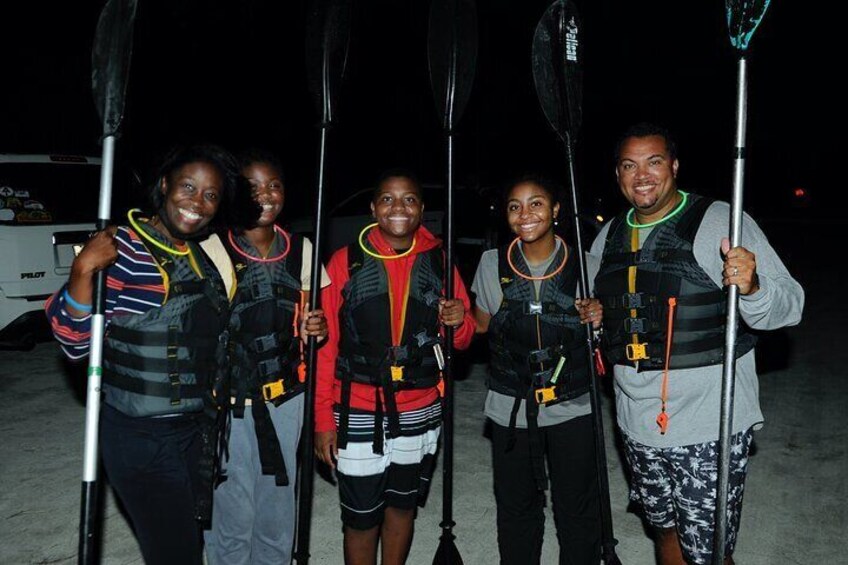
[544, 395]
[397, 373]
[637, 351]
[271, 391]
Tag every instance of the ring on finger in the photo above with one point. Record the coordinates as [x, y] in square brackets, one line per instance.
[735, 271]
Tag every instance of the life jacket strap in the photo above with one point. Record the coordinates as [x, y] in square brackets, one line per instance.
[148, 388]
[270, 454]
[344, 415]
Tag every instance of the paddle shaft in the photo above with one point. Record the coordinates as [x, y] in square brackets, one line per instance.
[728, 380]
[608, 541]
[447, 523]
[87, 549]
[307, 460]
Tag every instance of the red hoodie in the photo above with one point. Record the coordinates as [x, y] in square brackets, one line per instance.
[328, 388]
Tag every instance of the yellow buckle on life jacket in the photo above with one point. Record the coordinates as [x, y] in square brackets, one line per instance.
[637, 351]
[544, 395]
[270, 391]
[397, 373]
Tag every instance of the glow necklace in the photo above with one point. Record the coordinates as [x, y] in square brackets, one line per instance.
[250, 257]
[669, 216]
[544, 277]
[138, 229]
[375, 255]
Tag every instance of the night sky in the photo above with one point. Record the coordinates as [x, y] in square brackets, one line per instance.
[233, 72]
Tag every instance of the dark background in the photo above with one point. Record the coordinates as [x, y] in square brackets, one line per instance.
[233, 72]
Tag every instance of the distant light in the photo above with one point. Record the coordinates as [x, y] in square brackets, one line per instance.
[599, 218]
[800, 192]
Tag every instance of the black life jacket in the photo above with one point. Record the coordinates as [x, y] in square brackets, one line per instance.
[366, 353]
[529, 335]
[263, 348]
[538, 347]
[165, 360]
[666, 270]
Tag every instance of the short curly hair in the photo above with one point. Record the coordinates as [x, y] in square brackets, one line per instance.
[397, 172]
[258, 155]
[647, 129]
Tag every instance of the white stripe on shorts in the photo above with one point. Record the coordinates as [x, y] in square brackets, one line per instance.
[358, 459]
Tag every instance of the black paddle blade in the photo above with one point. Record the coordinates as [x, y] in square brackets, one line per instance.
[110, 61]
[327, 38]
[447, 553]
[557, 57]
[743, 17]
[452, 51]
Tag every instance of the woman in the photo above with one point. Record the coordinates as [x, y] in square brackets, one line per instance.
[254, 512]
[538, 382]
[377, 401]
[166, 306]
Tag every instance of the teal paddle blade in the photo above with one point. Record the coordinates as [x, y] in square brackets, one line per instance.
[743, 17]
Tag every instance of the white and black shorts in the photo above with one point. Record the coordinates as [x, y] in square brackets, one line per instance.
[676, 488]
[400, 477]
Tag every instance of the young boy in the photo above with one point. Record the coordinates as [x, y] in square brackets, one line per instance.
[378, 402]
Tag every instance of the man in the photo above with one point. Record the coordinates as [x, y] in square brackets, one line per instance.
[664, 266]
[377, 403]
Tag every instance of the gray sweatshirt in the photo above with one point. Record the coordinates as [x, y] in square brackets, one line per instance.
[693, 403]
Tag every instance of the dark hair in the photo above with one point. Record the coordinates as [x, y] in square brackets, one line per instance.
[551, 187]
[257, 155]
[647, 129]
[396, 172]
[236, 205]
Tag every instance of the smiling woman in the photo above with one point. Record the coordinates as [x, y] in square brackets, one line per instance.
[166, 306]
[538, 399]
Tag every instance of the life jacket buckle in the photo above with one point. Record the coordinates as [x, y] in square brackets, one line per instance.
[174, 381]
[397, 373]
[265, 343]
[542, 379]
[541, 355]
[545, 395]
[533, 308]
[636, 351]
[397, 354]
[271, 391]
[632, 300]
[635, 325]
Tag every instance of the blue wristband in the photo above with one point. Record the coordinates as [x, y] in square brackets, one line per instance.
[81, 307]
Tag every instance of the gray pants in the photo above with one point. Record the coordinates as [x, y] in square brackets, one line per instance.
[253, 519]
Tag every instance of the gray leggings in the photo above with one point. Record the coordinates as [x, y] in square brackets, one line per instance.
[253, 519]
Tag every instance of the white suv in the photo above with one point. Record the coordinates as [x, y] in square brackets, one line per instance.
[48, 204]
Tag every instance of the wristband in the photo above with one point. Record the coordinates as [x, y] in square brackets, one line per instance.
[78, 306]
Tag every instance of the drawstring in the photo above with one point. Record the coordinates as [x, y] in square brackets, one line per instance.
[298, 308]
[662, 417]
[296, 321]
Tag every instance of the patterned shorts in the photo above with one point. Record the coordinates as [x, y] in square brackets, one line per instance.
[676, 488]
[398, 478]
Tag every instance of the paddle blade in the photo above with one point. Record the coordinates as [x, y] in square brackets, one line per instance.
[327, 38]
[743, 17]
[110, 61]
[452, 52]
[557, 57]
[447, 553]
